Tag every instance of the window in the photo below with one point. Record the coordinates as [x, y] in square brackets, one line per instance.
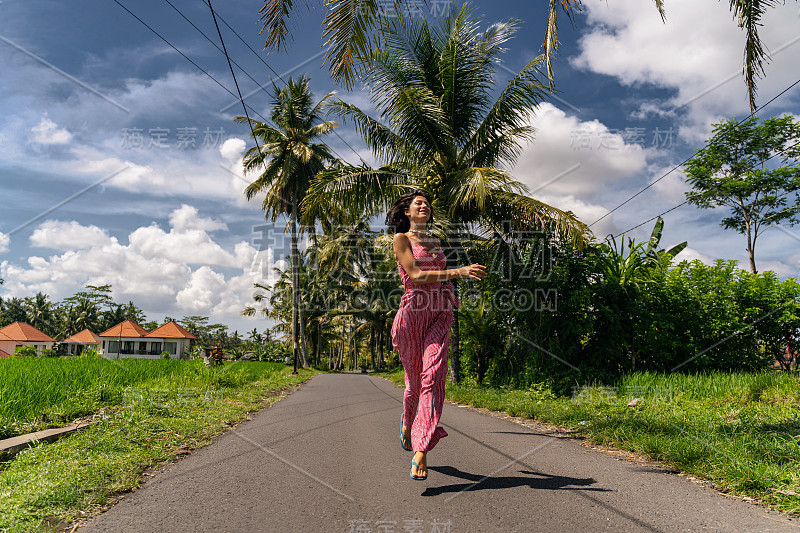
[155, 347]
[113, 346]
[142, 347]
[171, 347]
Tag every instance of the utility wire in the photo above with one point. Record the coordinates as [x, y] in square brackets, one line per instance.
[260, 86]
[690, 157]
[776, 154]
[284, 81]
[201, 69]
[236, 83]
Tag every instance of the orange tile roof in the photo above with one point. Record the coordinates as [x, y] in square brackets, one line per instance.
[171, 330]
[125, 329]
[84, 337]
[4, 337]
[4, 354]
[22, 331]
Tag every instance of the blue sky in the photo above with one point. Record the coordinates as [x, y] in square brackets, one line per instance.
[119, 162]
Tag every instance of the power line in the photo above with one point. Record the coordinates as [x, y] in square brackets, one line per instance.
[693, 155]
[217, 16]
[776, 154]
[201, 69]
[236, 83]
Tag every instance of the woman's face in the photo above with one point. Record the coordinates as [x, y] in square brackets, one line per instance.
[419, 210]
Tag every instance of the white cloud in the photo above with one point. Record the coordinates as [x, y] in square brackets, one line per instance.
[575, 158]
[64, 236]
[700, 61]
[47, 132]
[162, 271]
[4, 242]
[186, 218]
[690, 254]
[232, 149]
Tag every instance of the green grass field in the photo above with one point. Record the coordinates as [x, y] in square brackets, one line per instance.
[37, 393]
[158, 411]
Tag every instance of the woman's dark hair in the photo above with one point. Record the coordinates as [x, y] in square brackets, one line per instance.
[397, 220]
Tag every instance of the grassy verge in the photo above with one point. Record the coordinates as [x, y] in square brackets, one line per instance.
[171, 408]
[733, 429]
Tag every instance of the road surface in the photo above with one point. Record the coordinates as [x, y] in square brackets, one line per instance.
[328, 458]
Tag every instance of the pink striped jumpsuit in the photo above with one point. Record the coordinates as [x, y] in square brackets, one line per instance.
[421, 334]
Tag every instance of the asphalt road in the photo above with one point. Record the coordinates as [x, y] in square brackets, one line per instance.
[328, 458]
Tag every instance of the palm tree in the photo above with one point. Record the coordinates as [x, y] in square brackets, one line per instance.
[444, 132]
[350, 26]
[287, 159]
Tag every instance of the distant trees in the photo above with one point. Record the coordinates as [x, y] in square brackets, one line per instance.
[751, 168]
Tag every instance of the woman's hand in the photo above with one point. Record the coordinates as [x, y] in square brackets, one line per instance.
[473, 271]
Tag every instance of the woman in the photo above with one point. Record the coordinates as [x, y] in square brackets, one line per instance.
[421, 328]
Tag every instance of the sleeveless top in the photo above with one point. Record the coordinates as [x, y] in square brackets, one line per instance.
[427, 261]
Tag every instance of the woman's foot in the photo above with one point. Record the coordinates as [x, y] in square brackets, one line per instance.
[406, 437]
[419, 466]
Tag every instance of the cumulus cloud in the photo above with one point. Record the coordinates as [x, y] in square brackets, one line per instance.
[570, 157]
[63, 236]
[233, 149]
[186, 218]
[702, 63]
[4, 241]
[180, 270]
[690, 254]
[47, 132]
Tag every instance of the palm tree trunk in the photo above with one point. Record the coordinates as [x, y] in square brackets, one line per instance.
[297, 319]
[455, 356]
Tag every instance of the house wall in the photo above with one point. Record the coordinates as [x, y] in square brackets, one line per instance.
[11, 346]
[151, 349]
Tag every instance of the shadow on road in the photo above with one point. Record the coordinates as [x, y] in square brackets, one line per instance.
[480, 482]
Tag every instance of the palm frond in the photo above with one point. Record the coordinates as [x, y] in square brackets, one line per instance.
[499, 137]
[748, 14]
[347, 27]
[275, 16]
[519, 212]
[361, 190]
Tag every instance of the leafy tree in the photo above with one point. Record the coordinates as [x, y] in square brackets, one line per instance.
[287, 159]
[732, 171]
[12, 310]
[40, 312]
[351, 27]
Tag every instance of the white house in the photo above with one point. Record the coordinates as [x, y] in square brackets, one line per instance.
[176, 339]
[23, 334]
[77, 343]
[129, 339]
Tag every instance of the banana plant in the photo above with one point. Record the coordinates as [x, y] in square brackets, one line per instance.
[629, 264]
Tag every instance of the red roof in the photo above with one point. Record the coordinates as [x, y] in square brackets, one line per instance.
[4, 337]
[84, 337]
[24, 332]
[171, 330]
[125, 329]
[4, 354]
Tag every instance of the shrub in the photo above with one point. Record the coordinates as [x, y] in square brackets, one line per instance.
[25, 351]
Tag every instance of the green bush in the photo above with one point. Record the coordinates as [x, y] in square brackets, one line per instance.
[615, 314]
[25, 351]
[49, 352]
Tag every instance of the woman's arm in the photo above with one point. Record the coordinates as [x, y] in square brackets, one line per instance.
[403, 253]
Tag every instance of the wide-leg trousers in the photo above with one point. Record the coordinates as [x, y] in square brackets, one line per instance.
[421, 334]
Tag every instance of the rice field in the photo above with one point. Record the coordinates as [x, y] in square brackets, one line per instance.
[36, 393]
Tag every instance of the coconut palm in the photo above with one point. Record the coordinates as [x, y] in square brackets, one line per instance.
[288, 157]
[350, 27]
[440, 129]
